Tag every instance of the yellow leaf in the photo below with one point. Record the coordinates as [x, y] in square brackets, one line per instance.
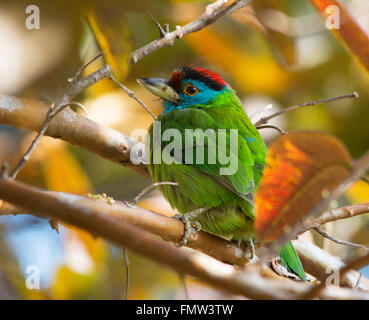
[251, 72]
[113, 36]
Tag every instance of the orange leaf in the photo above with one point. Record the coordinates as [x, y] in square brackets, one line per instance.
[302, 169]
[349, 31]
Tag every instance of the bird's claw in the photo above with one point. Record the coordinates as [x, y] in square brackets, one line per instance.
[189, 227]
[250, 252]
[196, 225]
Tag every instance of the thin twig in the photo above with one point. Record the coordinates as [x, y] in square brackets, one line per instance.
[162, 32]
[334, 215]
[34, 143]
[338, 241]
[341, 213]
[83, 67]
[270, 126]
[212, 13]
[150, 187]
[73, 89]
[132, 95]
[82, 107]
[266, 119]
[184, 284]
[51, 114]
[358, 282]
[126, 267]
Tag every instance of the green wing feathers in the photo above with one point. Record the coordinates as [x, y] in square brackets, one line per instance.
[291, 260]
[241, 181]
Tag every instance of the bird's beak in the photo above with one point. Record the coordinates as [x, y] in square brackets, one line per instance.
[160, 88]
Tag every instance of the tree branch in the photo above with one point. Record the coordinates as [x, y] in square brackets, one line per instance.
[74, 87]
[319, 264]
[87, 214]
[266, 119]
[70, 209]
[165, 227]
[339, 241]
[71, 127]
[355, 264]
[341, 213]
[314, 259]
[212, 13]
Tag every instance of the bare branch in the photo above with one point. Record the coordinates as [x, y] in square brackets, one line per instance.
[184, 284]
[355, 264]
[82, 107]
[162, 31]
[319, 264]
[132, 95]
[212, 13]
[358, 281]
[160, 225]
[126, 267]
[341, 213]
[71, 127]
[69, 209]
[333, 215]
[150, 187]
[338, 241]
[271, 127]
[266, 119]
[73, 89]
[83, 67]
[53, 111]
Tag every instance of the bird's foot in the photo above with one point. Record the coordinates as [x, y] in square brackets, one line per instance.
[250, 251]
[190, 226]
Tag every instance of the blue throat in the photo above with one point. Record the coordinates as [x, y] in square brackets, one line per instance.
[204, 97]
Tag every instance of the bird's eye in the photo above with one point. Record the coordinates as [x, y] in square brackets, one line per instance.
[190, 89]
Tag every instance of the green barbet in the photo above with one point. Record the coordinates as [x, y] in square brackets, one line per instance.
[211, 193]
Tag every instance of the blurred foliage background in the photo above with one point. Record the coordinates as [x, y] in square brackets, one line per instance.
[275, 53]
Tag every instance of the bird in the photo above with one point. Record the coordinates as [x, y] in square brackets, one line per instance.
[202, 126]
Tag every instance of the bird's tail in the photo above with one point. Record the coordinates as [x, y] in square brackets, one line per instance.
[291, 260]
